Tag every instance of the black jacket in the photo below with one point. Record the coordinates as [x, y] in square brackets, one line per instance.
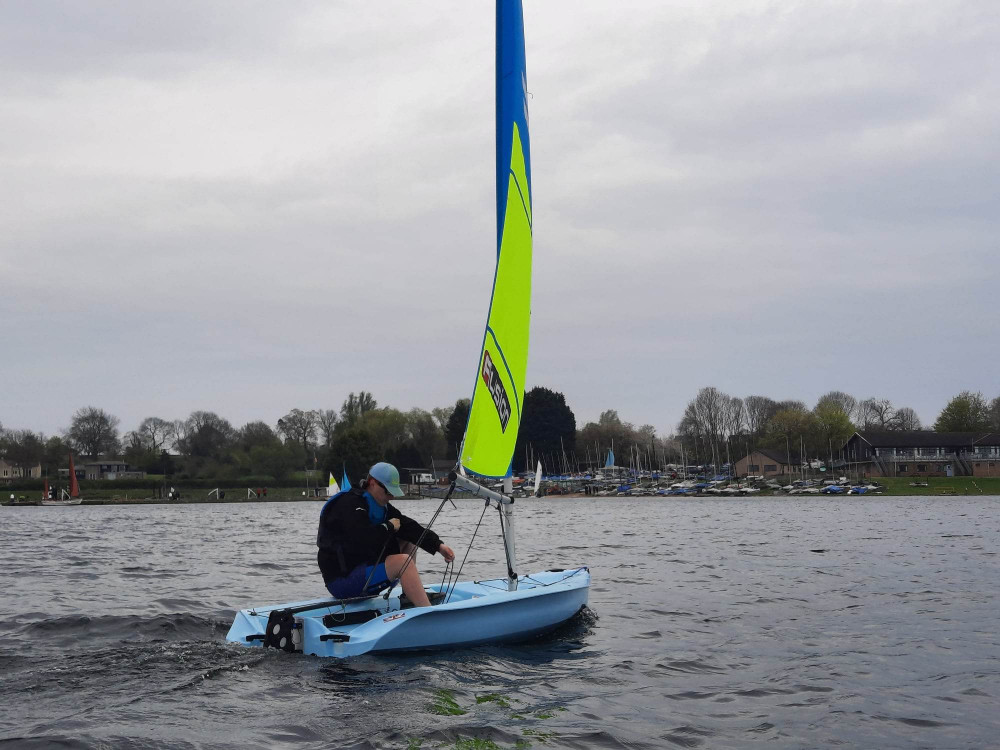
[347, 538]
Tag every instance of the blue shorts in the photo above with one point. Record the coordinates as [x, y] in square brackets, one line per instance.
[352, 584]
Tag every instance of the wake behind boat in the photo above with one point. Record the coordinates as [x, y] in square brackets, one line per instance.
[463, 613]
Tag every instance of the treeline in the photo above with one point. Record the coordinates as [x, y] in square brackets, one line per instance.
[209, 445]
[715, 428]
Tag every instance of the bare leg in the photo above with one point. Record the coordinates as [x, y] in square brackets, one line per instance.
[410, 579]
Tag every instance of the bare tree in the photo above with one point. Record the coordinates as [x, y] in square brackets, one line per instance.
[734, 418]
[758, 411]
[876, 414]
[326, 420]
[155, 433]
[93, 431]
[907, 419]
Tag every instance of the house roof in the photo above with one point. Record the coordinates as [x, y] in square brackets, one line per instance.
[920, 439]
[780, 456]
[992, 439]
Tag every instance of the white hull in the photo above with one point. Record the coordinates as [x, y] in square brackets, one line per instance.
[74, 501]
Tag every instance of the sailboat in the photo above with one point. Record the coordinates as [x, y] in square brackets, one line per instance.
[332, 488]
[512, 607]
[74, 489]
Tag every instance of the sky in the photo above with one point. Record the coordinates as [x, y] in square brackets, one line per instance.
[249, 207]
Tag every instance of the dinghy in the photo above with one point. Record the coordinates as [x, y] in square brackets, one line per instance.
[72, 498]
[514, 607]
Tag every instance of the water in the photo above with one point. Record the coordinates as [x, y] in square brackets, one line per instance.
[715, 623]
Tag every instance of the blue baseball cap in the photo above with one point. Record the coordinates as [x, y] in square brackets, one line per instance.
[386, 475]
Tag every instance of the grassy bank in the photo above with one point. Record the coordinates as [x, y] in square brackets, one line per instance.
[941, 485]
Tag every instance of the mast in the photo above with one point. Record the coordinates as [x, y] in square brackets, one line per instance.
[490, 439]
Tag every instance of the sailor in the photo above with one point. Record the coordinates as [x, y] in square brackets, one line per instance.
[365, 543]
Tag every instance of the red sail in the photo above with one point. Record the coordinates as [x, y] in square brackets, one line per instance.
[45, 492]
[74, 486]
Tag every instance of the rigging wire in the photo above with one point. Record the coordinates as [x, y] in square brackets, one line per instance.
[454, 583]
[420, 539]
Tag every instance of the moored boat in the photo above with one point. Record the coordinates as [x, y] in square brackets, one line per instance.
[73, 498]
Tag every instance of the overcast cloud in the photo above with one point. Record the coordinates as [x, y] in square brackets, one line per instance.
[249, 207]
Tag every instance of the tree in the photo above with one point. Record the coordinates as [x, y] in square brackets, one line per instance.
[876, 414]
[454, 431]
[834, 425]
[206, 435]
[258, 450]
[609, 430]
[256, 434]
[155, 433]
[326, 420]
[93, 432]
[355, 449]
[907, 419]
[441, 415]
[758, 411]
[355, 406]
[386, 425]
[548, 426]
[710, 420]
[426, 435]
[56, 454]
[967, 412]
[276, 461]
[795, 426]
[844, 401]
[25, 449]
[995, 414]
[299, 427]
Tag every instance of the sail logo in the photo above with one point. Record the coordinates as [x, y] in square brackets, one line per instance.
[495, 386]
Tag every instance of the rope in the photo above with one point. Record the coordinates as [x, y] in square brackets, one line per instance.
[420, 539]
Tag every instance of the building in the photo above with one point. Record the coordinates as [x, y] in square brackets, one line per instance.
[985, 456]
[111, 468]
[764, 462]
[924, 453]
[9, 472]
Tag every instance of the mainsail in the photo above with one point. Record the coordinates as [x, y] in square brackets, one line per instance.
[495, 412]
[74, 485]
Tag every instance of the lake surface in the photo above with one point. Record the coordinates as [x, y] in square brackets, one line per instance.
[714, 623]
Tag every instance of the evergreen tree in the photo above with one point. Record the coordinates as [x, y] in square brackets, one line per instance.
[454, 431]
[548, 426]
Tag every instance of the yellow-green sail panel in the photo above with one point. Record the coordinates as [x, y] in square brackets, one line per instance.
[495, 415]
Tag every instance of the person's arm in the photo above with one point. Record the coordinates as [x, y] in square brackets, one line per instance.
[410, 531]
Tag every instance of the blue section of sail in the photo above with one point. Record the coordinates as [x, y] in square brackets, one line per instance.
[611, 460]
[345, 483]
[512, 101]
